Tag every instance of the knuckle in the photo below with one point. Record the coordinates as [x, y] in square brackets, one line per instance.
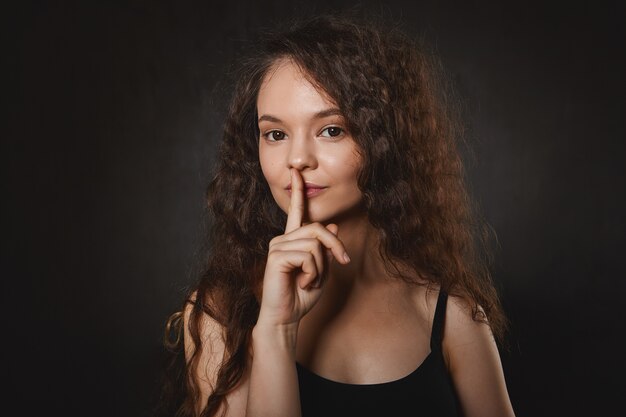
[318, 226]
[314, 242]
[274, 241]
[273, 256]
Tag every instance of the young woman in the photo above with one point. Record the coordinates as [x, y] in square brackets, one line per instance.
[345, 274]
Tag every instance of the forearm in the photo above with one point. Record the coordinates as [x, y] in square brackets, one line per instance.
[273, 390]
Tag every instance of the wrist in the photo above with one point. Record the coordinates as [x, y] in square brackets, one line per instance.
[281, 336]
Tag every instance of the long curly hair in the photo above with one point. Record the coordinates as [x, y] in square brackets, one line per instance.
[405, 122]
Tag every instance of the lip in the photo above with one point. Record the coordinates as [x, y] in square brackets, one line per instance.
[306, 185]
[311, 189]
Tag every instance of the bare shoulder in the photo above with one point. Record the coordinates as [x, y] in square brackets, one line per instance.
[473, 360]
[461, 331]
[210, 353]
[210, 332]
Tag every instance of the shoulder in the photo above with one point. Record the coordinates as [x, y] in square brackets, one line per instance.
[203, 338]
[204, 350]
[462, 334]
[209, 329]
[205, 345]
[471, 354]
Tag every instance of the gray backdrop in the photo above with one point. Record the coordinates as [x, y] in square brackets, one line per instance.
[113, 111]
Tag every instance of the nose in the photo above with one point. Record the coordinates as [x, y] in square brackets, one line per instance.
[301, 154]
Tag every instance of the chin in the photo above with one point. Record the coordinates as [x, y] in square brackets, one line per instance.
[324, 212]
[335, 216]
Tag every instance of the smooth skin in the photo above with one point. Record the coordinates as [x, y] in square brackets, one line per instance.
[344, 319]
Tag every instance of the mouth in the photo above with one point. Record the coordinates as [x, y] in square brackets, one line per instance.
[310, 189]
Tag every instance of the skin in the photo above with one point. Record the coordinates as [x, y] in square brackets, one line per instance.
[342, 318]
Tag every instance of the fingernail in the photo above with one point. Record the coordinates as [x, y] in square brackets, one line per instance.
[346, 257]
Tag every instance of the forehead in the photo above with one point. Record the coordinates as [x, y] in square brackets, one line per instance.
[287, 87]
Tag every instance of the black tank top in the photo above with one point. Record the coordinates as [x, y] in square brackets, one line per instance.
[427, 391]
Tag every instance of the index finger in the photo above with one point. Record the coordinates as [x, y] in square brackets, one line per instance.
[296, 205]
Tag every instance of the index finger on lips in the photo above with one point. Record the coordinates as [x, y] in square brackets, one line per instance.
[296, 205]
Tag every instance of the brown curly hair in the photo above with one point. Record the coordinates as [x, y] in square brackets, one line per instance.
[401, 114]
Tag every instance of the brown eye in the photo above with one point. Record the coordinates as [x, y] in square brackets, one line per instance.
[274, 135]
[333, 131]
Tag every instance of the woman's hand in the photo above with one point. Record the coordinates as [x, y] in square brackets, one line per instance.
[297, 263]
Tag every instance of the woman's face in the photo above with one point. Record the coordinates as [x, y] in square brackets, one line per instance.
[301, 128]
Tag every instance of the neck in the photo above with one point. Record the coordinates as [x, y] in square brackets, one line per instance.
[363, 283]
[361, 241]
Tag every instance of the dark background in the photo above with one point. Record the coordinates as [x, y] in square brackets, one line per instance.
[113, 111]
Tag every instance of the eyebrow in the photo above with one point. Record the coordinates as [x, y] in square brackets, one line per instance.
[319, 115]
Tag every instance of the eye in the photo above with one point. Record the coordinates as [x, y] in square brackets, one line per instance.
[333, 131]
[274, 135]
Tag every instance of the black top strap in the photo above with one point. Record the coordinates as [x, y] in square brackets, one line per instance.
[436, 335]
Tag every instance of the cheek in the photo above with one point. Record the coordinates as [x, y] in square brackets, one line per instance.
[272, 178]
[271, 174]
[347, 167]
[268, 167]
[271, 159]
[264, 169]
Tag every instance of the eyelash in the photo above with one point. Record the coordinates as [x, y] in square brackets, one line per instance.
[267, 134]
